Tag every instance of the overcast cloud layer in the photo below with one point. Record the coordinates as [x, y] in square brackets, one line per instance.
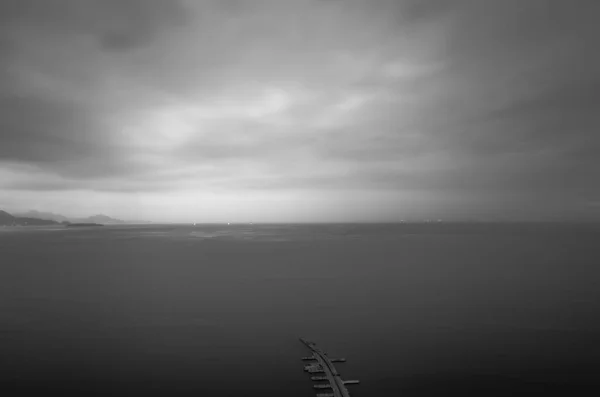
[301, 110]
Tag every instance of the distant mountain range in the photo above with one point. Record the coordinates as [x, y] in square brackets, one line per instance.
[7, 219]
[44, 215]
[49, 218]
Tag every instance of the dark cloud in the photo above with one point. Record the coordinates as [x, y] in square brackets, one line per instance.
[415, 11]
[63, 131]
[39, 131]
[115, 24]
[63, 137]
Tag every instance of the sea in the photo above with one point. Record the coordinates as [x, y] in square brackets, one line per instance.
[428, 309]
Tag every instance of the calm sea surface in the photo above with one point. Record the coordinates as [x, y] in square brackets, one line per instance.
[216, 310]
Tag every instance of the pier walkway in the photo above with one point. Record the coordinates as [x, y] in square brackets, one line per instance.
[324, 366]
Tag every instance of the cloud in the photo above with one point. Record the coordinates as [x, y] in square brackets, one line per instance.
[469, 99]
[112, 24]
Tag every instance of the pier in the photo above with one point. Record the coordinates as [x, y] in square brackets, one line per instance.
[323, 364]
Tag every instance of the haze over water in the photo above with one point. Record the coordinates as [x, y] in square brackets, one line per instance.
[216, 310]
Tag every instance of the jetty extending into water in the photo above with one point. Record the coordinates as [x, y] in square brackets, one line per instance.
[322, 366]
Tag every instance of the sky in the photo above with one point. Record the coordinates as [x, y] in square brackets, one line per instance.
[301, 110]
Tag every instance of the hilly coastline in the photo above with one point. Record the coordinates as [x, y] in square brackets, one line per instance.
[39, 218]
[7, 219]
